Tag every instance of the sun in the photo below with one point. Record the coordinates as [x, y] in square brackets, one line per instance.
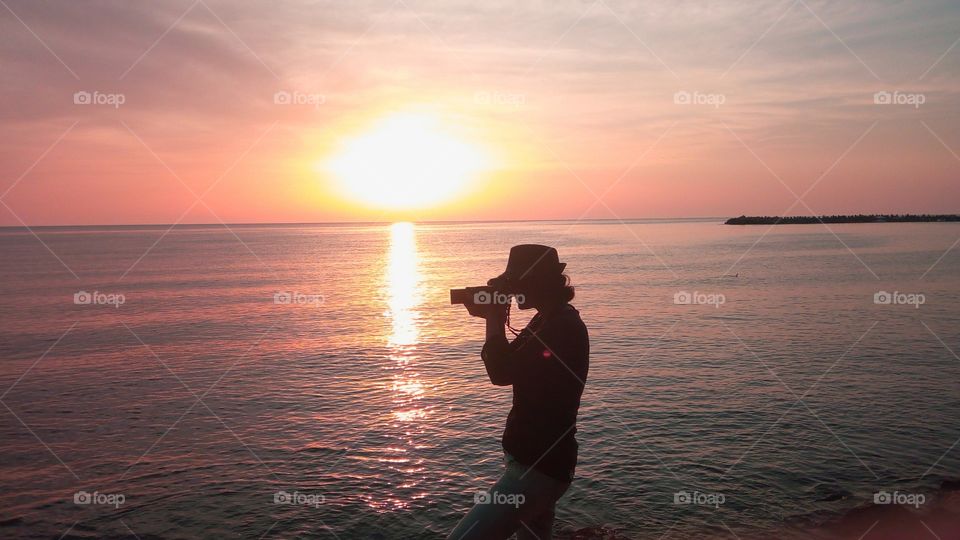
[406, 161]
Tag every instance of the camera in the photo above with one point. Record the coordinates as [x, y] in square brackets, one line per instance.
[480, 296]
[498, 291]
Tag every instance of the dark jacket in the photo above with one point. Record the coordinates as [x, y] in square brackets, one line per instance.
[547, 366]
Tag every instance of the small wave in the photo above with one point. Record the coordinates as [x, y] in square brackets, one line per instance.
[939, 513]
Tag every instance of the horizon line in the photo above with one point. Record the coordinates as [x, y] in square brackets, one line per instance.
[387, 222]
[442, 221]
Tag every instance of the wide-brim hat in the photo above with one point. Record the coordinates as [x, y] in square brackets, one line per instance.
[529, 261]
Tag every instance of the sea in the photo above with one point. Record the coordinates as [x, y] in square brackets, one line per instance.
[314, 381]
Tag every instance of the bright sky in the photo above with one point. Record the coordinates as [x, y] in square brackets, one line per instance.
[455, 109]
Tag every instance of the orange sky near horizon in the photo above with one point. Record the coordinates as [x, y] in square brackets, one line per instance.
[213, 111]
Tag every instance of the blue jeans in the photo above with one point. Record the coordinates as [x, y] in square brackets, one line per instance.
[522, 501]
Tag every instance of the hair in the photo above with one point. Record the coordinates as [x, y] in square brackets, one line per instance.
[552, 286]
[563, 288]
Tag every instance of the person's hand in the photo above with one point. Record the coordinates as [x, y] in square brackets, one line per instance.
[494, 312]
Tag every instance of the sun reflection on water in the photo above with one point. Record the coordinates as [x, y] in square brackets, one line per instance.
[403, 292]
[404, 295]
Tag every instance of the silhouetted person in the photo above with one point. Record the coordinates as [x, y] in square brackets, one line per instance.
[547, 366]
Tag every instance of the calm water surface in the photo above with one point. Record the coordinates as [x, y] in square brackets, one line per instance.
[201, 397]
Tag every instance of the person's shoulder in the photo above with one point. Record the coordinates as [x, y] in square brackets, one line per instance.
[569, 319]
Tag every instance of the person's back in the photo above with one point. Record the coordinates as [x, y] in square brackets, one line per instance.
[552, 363]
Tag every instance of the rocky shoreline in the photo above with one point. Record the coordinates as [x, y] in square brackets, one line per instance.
[856, 218]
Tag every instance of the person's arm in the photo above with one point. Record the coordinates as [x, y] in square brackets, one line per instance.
[496, 351]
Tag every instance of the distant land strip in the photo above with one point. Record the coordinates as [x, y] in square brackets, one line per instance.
[857, 218]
